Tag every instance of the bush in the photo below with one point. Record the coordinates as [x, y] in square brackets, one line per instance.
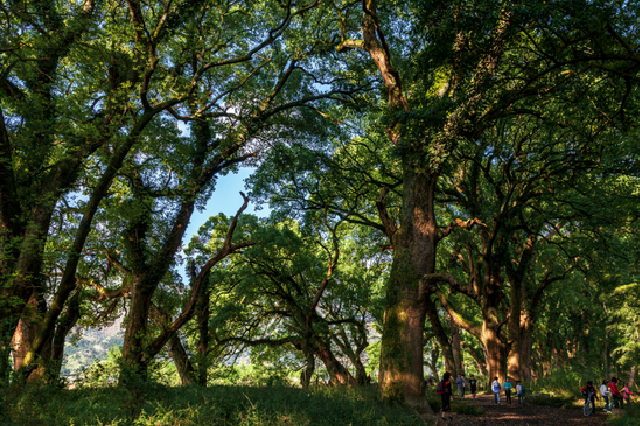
[556, 401]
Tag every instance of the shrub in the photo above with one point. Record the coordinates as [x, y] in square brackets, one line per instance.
[627, 417]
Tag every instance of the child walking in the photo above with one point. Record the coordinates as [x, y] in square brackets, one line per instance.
[604, 393]
[520, 392]
[626, 393]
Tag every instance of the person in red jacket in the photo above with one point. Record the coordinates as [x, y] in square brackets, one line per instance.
[446, 393]
[615, 393]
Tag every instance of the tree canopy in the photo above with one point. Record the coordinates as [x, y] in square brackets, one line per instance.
[447, 180]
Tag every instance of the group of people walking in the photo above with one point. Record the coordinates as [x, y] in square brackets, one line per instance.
[445, 390]
[461, 382]
[608, 390]
[496, 388]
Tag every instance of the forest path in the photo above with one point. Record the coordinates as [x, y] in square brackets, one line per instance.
[522, 415]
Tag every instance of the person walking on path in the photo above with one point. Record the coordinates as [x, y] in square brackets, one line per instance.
[626, 393]
[472, 386]
[496, 390]
[520, 392]
[446, 393]
[464, 385]
[461, 383]
[604, 393]
[589, 389]
[615, 393]
[507, 390]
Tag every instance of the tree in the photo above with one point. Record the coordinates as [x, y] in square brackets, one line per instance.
[301, 290]
[158, 67]
[479, 48]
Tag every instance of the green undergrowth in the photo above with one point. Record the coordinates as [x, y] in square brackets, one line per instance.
[560, 401]
[629, 416]
[214, 406]
[457, 406]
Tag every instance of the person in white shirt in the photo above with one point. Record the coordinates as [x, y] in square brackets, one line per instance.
[520, 392]
[495, 386]
[604, 392]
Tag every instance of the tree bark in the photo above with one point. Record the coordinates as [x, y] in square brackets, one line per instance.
[181, 360]
[405, 311]
[441, 336]
[134, 364]
[456, 347]
[496, 353]
[307, 373]
[202, 319]
[338, 374]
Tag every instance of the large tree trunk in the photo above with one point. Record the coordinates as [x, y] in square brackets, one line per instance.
[134, 364]
[402, 355]
[525, 350]
[496, 354]
[28, 327]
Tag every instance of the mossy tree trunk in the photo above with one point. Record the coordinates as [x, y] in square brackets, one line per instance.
[181, 360]
[402, 357]
[202, 318]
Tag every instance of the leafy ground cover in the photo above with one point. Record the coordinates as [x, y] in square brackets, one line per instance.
[215, 406]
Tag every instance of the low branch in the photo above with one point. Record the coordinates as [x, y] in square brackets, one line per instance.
[457, 318]
[458, 223]
[456, 285]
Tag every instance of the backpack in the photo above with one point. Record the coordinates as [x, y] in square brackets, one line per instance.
[441, 387]
[496, 386]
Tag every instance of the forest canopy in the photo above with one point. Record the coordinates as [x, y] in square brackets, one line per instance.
[453, 186]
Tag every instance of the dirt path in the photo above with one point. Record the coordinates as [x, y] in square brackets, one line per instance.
[522, 415]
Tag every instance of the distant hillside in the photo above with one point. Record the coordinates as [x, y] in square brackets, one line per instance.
[93, 346]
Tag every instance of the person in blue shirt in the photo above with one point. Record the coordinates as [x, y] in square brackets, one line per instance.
[507, 390]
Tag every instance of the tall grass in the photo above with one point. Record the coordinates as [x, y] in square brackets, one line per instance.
[194, 406]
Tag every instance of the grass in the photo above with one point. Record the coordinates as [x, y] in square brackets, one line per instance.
[194, 406]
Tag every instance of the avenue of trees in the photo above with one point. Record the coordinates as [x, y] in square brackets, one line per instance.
[447, 180]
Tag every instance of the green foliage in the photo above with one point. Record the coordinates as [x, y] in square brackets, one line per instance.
[216, 406]
[626, 417]
[556, 401]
